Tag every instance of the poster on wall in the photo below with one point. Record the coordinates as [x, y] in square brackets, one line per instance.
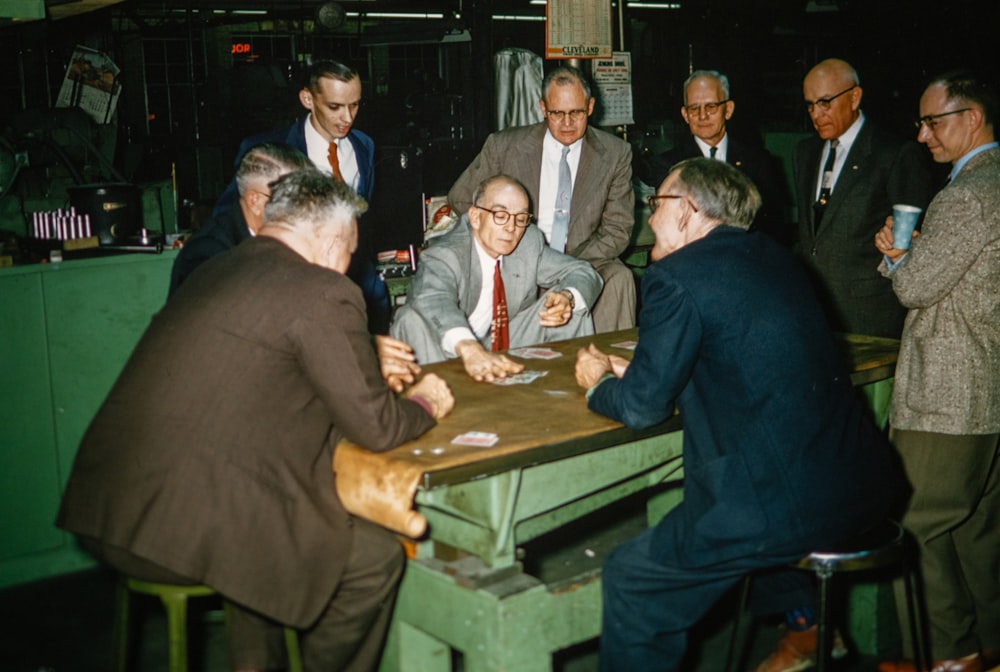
[578, 29]
[92, 83]
[613, 80]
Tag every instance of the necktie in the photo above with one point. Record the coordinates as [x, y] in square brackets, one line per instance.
[560, 220]
[335, 162]
[826, 183]
[499, 327]
[712, 151]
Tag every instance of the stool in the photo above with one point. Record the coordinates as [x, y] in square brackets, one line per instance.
[174, 599]
[877, 547]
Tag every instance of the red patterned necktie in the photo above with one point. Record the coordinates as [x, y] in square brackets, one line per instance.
[335, 162]
[501, 337]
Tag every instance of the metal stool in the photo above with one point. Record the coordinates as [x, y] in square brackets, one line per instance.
[880, 546]
[174, 599]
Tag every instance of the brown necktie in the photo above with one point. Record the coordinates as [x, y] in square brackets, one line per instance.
[499, 328]
[335, 162]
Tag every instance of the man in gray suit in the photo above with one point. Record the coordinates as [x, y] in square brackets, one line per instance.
[945, 411]
[598, 187]
[451, 309]
[842, 202]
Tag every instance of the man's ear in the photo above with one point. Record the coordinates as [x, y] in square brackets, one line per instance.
[306, 98]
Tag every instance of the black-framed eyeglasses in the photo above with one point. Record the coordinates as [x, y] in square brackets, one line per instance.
[824, 103]
[931, 120]
[653, 200]
[501, 217]
[560, 115]
[710, 108]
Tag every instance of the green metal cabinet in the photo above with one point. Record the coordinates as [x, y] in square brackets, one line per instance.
[66, 330]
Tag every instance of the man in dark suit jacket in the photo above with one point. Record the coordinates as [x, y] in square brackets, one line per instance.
[779, 457]
[332, 95]
[707, 107]
[602, 203]
[872, 171]
[260, 166]
[210, 460]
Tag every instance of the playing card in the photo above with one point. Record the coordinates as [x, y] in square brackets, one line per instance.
[478, 439]
[535, 353]
[625, 345]
[523, 378]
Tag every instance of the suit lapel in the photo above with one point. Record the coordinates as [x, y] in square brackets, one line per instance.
[808, 180]
[849, 174]
[590, 173]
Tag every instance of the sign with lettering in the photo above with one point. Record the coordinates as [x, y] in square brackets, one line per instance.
[578, 29]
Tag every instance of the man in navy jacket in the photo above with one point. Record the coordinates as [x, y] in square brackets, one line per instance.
[779, 457]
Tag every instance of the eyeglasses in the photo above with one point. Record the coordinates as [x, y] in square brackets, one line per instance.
[654, 200]
[824, 103]
[931, 120]
[501, 217]
[262, 193]
[560, 115]
[710, 108]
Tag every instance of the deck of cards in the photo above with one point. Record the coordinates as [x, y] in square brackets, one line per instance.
[476, 439]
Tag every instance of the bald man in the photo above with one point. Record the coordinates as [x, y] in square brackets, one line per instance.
[843, 202]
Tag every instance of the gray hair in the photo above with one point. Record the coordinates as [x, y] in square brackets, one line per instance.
[711, 74]
[312, 200]
[497, 179]
[564, 75]
[266, 163]
[719, 190]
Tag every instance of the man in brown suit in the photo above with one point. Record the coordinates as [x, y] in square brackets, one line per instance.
[210, 460]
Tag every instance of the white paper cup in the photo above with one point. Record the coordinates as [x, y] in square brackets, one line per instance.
[904, 220]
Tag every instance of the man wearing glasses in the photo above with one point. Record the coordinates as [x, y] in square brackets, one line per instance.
[477, 289]
[945, 411]
[847, 180]
[580, 182]
[707, 107]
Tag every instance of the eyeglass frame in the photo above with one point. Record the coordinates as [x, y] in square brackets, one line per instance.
[507, 216]
[824, 103]
[710, 108]
[931, 120]
[560, 115]
[652, 199]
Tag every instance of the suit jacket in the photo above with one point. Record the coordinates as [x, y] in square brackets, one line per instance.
[778, 454]
[757, 164]
[212, 454]
[448, 282]
[948, 374]
[220, 233]
[602, 210]
[295, 135]
[880, 170]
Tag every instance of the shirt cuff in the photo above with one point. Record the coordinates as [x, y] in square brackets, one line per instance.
[892, 266]
[452, 337]
[578, 303]
[422, 403]
[606, 376]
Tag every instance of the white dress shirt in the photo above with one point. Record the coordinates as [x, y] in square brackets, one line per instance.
[549, 182]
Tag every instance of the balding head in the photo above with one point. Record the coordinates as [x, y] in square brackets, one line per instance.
[832, 93]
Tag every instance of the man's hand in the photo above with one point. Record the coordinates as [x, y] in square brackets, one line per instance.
[558, 309]
[436, 393]
[591, 365]
[397, 361]
[884, 241]
[618, 365]
[483, 366]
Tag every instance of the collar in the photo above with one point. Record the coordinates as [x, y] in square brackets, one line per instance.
[554, 145]
[722, 151]
[960, 164]
[847, 138]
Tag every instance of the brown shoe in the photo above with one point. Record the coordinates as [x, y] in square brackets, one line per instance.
[973, 663]
[796, 650]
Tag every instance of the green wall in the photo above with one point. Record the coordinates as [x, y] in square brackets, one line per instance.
[66, 330]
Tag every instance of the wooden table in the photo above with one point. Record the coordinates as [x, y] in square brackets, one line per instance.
[555, 462]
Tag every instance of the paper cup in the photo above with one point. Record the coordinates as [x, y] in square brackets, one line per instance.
[904, 220]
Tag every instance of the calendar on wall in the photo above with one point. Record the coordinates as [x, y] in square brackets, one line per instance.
[92, 84]
[578, 29]
[613, 81]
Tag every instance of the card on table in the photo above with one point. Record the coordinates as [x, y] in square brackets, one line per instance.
[523, 378]
[478, 439]
[625, 345]
[535, 353]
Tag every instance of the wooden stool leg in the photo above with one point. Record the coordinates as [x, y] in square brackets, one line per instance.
[914, 615]
[732, 656]
[122, 627]
[176, 606]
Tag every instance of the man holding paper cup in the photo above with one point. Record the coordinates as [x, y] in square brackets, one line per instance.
[945, 412]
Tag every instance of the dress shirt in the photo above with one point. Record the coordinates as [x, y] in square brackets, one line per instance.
[549, 182]
[319, 149]
[721, 149]
[844, 144]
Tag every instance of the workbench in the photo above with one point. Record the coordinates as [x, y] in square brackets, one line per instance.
[465, 589]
